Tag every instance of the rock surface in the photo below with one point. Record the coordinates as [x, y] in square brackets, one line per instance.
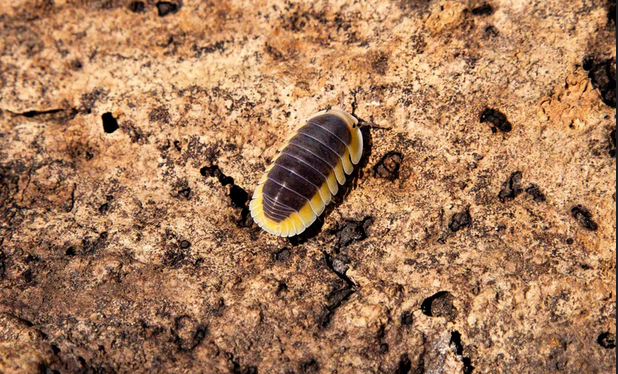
[477, 236]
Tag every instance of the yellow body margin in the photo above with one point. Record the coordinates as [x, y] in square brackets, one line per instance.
[295, 223]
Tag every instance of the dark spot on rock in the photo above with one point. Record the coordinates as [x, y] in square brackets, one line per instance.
[166, 7]
[137, 6]
[37, 113]
[339, 267]
[76, 64]
[457, 346]
[273, 52]
[484, 9]
[88, 100]
[607, 340]
[185, 192]
[282, 288]
[136, 134]
[214, 171]
[405, 365]
[70, 251]
[173, 257]
[534, 191]
[245, 219]
[569, 241]
[440, 305]
[602, 75]
[612, 143]
[491, 31]
[27, 275]
[310, 366]
[283, 254]
[104, 208]
[406, 318]
[184, 244]
[55, 348]
[110, 124]
[456, 343]
[497, 120]
[467, 365]
[160, 114]
[210, 48]
[388, 166]
[511, 188]
[238, 369]
[339, 295]
[239, 196]
[177, 145]
[351, 231]
[583, 216]
[383, 348]
[460, 220]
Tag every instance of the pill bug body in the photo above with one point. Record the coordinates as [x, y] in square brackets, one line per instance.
[306, 174]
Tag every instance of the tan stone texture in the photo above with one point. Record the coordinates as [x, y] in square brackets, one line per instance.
[469, 249]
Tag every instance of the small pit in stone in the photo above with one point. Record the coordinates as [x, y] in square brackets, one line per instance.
[460, 220]
[583, 216]
[185, 192]
[536, 193]
[383, 348]
[166, 7]
[239, 196]
[310, 366]
[440, 305]
[104, 208]
[388, 166]
[511, 188]
[283, 254]
[214, 171]
[110, 124]
[352, 231]
[406, 318]
[602, 74]
[484, 9]
[496, 119]
[607, 340]
[137, 6]
[405, 365]
[491, 31]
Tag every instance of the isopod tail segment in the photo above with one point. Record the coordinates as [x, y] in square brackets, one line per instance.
[306, 174]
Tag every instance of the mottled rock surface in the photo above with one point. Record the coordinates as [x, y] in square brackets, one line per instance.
[478, 235]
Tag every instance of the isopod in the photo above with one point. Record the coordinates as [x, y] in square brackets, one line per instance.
[306, 174]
